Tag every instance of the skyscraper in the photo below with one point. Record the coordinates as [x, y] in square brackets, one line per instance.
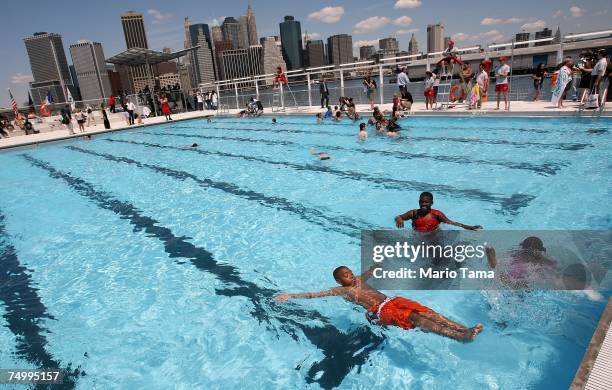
[413, 46]
[521, 37]
[231, 31]
[388, 44]
[203, 63]
[133, 30]
[271, 56]
[316, 53]
[243, 32]
[340, 49]
[291, 40]
[135, 36]
[365, 52]
[215, 30]
[446, 40]
[239, 63]
[435, 37]
[49, 66]
[90, 68]
[251, 25]
[546, 33]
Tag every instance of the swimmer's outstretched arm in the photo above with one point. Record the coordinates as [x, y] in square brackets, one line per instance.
[368, 274]
[280, 298]
[444, 218]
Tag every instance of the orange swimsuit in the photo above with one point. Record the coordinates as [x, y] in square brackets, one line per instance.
[426, 223]
[395, 311]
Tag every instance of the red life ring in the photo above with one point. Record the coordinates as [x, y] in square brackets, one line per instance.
[453, 96]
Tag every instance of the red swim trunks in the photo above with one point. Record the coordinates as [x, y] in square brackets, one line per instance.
[395, 311]
[501, 88]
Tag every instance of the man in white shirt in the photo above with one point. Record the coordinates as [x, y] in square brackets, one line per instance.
[130, 109]
[599, 70]
[402, 80]
[501, 82]
[483, 83]
[200, 101]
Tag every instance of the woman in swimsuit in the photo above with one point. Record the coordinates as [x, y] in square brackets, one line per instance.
[426, 219]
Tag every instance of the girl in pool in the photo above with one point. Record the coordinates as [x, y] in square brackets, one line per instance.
[426, 219]
[394, 311]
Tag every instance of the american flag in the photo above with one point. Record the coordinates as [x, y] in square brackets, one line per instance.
[13, 103]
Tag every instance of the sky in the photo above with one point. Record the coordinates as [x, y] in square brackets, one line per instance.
[469, 22]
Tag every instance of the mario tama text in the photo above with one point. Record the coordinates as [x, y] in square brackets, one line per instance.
[486, 260]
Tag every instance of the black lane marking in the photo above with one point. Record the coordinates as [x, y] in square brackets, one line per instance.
[342, 351]
[546, 169]
[409, 138]
[25, 312]
[510, 205]
[406, 122]
[350, 227]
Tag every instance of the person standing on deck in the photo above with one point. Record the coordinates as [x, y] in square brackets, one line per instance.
[501, 82]
[324, 93]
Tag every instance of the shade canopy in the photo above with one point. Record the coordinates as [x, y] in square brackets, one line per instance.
[140, 56]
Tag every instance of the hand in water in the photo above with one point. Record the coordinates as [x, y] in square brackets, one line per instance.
[281, 298]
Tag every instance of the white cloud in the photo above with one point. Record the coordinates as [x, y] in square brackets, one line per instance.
[409, 31]
[21, 78]
[558, 14]
[493, 21]
[311, 35]
[365, 42]
[370, 24]
[532, 26]
[488, 36]
[576, 11]
[407, 4]
[403, 21]
[327, 14]
[158, 16]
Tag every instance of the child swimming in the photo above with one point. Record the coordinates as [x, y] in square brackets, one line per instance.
[363, 134]
[383, 310]
[426, 219]
[319, 155]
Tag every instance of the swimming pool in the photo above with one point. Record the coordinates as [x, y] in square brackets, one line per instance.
[135, 261]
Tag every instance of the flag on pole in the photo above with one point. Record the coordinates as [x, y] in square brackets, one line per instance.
[13, 103]
[70, 99]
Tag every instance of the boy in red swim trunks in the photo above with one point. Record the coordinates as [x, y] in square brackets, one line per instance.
[382, 310]
[426, 219]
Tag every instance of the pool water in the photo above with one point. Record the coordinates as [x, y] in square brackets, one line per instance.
[134, 261]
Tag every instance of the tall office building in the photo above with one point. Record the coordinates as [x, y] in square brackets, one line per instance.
[291, 41]
[220, 47]
[316, 53]
[413, 46]
[135, 36]
[271, 56]
[521, 37]
[49, 67]
[340, 49]
[243, 32]
[446, 40]
[251, 25]
[546, 33]
[90, 68]
[435, 38]
[231, 31]
[388, 44]
[239, 63]
[365, 52]
[203, 63]
[216, 32]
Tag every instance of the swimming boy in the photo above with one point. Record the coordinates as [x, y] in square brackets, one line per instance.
[426, 219]
[383, 310]
[319, 155]
[363, 133]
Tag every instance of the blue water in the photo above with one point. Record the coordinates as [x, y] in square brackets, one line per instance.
[134, 262]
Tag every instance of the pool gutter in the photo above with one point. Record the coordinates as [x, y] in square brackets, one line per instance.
[596, 366]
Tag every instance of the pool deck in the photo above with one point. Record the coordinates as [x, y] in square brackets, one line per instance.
[596, 365]
[518, 108]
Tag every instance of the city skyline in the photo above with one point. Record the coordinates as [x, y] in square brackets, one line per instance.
[366, 23]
